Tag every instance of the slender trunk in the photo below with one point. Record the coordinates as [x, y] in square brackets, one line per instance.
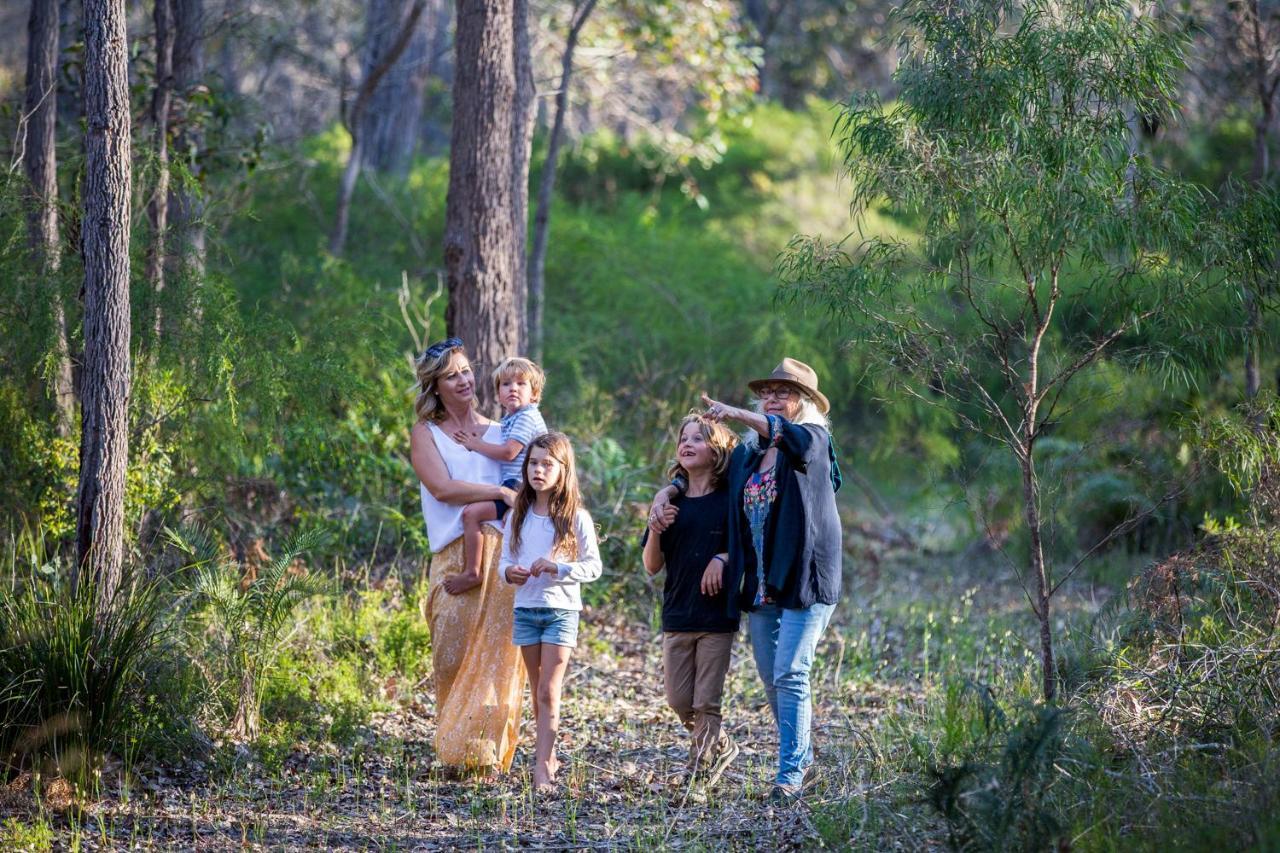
[480, 243]
[1031, 497]
[186, 237]
[1031, 511]
[546, 187]
[1265, 90]
[40, 162]
[1252, 327]
[524, 112]
[380, 61]
[392, 122]
[158, 207]
[71, 80]
[245, 725]
[105, 381]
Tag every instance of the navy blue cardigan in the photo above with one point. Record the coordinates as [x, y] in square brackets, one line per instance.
[802, 538]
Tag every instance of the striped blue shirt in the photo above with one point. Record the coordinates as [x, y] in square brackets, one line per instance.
[524, 425]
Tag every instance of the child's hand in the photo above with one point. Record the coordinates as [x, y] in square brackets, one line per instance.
[466, 439]
[543, 566]
[713, 577]
[517, 575]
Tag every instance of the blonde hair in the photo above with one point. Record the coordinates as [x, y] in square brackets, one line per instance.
[809, 414]
[565, 502]
[718, 437]
[518, 366]
[428, 405]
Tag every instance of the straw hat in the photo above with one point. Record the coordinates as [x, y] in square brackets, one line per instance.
[798, 375]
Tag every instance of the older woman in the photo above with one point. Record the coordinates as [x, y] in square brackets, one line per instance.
[478, 672]
[784, 545]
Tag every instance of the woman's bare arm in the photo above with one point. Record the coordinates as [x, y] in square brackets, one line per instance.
[431, 470]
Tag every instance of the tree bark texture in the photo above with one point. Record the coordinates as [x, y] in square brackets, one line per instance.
[483, 247]
[546, 186]
[71, 78]
[40, 163]
[158, 205]
[105, 379]
[524, 114]
[380, 59]
[392, 122]
[186, 206]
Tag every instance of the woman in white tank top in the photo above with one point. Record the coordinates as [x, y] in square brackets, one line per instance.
[478, 672]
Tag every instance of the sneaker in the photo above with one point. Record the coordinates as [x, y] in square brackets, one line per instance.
[784, 795]
[728, 751]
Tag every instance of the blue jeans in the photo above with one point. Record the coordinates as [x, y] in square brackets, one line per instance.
[783, 643]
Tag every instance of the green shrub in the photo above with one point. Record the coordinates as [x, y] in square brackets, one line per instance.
[999, 796]
[247, 616]
[74, 676]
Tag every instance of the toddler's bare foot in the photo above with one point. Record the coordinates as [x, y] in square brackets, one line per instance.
[461, 582]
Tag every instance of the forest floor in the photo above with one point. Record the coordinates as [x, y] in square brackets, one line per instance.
[902, 631]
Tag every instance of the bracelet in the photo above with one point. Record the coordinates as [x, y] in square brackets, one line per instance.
[722, 560]
[680, 484]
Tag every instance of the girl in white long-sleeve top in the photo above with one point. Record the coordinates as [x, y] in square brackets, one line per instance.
[549, 551]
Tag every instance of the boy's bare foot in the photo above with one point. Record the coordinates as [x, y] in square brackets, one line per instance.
[461, 582]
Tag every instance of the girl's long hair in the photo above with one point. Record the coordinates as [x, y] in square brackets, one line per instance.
[428, 405]
[719, 437]
[565, 499]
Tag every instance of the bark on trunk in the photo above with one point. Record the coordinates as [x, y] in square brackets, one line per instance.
[380, 59]
[1031, 510]
[105, 380]
[186, 206]
[392, 122]
[158, 206]
[71, 80]
[483, 252]
[524, 112]
[40, 162]
[546, 185]
[245, 725]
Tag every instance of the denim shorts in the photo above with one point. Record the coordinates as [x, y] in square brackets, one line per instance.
[533, 625]
[501, 506]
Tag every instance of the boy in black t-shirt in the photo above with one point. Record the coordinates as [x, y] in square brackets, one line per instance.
[698, 622]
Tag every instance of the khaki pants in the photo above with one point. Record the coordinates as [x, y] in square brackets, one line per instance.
[694, 666]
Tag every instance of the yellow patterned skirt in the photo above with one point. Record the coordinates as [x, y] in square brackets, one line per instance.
[479, 674]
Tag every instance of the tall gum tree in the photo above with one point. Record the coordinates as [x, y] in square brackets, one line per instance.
[106, 377]
[40, 163]
[488, 182]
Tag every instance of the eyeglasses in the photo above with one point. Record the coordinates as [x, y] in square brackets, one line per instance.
[438, 349]
[777, 392]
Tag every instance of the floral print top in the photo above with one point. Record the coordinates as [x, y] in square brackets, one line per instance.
[757, 500]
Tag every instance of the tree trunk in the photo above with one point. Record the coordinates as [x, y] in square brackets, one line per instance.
[158, 207]
[71, 81]
[393, 120]
[433, 134]
[481, 246]
[546, 186]
[1031, 503]
[524, 113]
[1031, 510]
[380, 60]
[40, 161]
[245, 725]
[186, 205]
[105, 380]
